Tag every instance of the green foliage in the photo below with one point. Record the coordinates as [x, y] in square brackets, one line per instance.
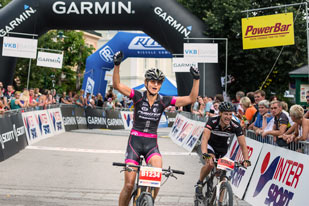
[75, 54]
[3, 3]
[250, 67]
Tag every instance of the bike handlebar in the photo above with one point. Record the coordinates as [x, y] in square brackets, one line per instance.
[137, 166]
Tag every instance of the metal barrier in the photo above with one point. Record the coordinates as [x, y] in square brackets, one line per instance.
[301, 146]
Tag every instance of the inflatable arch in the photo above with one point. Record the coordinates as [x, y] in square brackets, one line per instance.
[131, 44]
[167, 22]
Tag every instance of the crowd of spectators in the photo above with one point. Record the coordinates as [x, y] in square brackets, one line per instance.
[267, 118]
[41, 99]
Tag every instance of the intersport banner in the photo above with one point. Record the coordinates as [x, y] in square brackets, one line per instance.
[44, 123]
[32, 128]
[280, 178]
[56, 120]
[240, 177]
[268, 31]
[185, 132]
[127, 118]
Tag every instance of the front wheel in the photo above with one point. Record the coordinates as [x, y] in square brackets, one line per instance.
[145, 199]
[225, 197]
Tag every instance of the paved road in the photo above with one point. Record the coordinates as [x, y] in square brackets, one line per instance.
[75, 168]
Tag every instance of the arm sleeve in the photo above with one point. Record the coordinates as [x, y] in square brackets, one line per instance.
[135, 95]
[238, 129]
[209, 125]
[169, 100]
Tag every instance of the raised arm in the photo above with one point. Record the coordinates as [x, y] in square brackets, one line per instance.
[185, 100]
[123, 89]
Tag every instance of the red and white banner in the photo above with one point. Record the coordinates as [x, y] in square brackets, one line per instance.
[240, 177]
[44, 124]
[32, 129]
[56, 121]
[185, 132]
[280, 178]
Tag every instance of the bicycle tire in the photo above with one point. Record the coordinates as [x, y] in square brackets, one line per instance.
[146, 200]
[228, 198]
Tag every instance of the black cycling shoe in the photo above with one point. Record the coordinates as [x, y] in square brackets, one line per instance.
[199, 190]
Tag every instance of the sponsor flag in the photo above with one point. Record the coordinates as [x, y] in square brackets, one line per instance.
[268, 31]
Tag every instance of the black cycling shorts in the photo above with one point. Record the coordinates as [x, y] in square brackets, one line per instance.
[218, 154]
[139, 145]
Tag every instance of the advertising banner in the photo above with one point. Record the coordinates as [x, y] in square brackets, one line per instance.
[19, 47]
[19, 130]
[56, 120]
[51, 60]
[240, 177]
[163, 121]
[170, 118]
[280, 178]
[44, 124]
[201, 52]
[183, 64]
[176, 128]
[127, 118]
[32, 128]
[89, 86]
[114, 119]
[268, 31]
[96, 118]
[191, 140]
[8, 138]
[68, 116]
[80, 116]
[304, 88]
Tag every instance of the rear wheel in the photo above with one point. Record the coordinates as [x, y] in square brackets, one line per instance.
[225, 195]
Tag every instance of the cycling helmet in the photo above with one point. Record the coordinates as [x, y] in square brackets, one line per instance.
[154, 74]
[226, 107]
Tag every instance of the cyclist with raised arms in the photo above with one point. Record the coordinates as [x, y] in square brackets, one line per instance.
[215, 138]
[148, 108]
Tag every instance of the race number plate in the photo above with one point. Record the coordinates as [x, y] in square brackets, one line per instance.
[225, 164]
[150, 176]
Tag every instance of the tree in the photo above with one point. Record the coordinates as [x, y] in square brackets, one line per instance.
[75, 54]
[3, 3]
[250, 67]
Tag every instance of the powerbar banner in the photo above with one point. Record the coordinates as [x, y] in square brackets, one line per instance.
[268, 31]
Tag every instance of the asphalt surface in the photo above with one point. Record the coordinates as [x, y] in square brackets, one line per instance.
[75, 168]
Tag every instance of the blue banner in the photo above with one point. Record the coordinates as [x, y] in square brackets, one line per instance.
[132, 45]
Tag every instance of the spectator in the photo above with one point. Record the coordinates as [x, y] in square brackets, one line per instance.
[100, 101]
[42, 103]
[273, 98]
[37, 91]
[15, 101]
[201, 107]
[208, 106]
[214, 111]
[195, 106]
[219, 98]
[1, 88]
[300, 130]
[9, 93]
[110, 104]
[32, 99]
[71, 97]
[25, 98]
[281, 123]
[77, 101]
[81, 97]
[92, 102]
[117, 104]
[4, 101]
[259, 95]
[87, 99]
[249, 111]
[250, 95]
[2, 107]
[54, 96]
[64, 99]
[110, 94]
[239, 109]
[263, 117]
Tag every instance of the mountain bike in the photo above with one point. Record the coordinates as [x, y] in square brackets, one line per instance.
[217, 190]
[148, 178]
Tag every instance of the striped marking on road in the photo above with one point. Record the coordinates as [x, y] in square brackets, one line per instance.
[96, 151]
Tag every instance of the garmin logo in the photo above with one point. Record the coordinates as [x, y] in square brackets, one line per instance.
[90, 7]
[28, 12]
[173, 22]
[51, 60]
[144, 43]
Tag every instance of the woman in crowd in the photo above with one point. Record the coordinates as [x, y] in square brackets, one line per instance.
[25, 98]
[16, 102]
[300, 130]
[100, 101]
[249, 111]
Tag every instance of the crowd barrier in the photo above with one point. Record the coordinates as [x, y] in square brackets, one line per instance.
[277, 175]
